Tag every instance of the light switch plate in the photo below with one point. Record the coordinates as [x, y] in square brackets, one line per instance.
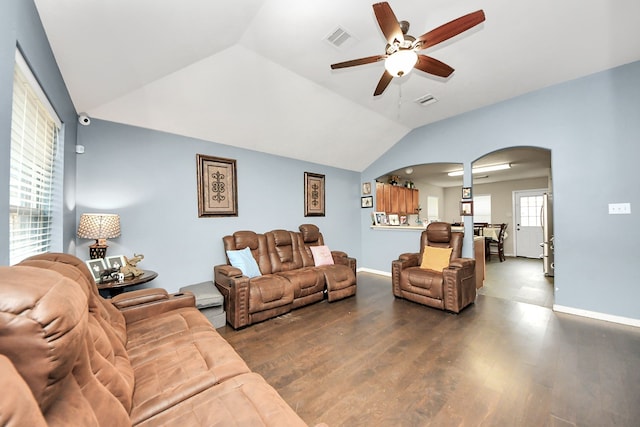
[619, 208]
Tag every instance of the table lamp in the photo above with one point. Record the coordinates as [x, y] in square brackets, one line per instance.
[101, 227]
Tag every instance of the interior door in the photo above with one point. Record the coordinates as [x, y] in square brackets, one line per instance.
[528, 223]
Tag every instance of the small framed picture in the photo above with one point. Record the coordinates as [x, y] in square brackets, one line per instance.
[466, 193]
[366, 188]
[380, 218]
[366, 202]
[466, 208]
[404, 220]
[116, 261]
[394, 219]
[96, 266]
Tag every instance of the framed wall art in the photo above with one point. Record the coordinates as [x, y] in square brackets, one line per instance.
[366, 202]
[313, 194]
[366, 188]
[217, 186]
[466, 208]
[466, 192]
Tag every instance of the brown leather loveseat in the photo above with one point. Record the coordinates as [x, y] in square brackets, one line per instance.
[68, 357]
[288, 277]
[452, 288]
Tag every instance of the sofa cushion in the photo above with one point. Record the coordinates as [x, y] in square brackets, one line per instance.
[245, 400]
[436, 259]
[321, 255]
[268, 292]
[284, 250]
[243, 260]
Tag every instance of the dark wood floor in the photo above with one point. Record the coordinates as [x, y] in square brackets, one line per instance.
[518, 279]
[373, 360]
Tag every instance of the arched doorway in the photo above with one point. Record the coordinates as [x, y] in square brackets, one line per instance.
[517, 193]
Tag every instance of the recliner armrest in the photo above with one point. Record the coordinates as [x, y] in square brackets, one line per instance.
[226, 274]
[138, 297]
[462, 263]
[143, 305]
[228, 270]
[342, 258]
[408, 256]
[339, 254]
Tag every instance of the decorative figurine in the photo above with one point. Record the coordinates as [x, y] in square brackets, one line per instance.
[130, 269]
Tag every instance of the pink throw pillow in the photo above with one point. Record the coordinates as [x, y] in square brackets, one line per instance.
[321, 255]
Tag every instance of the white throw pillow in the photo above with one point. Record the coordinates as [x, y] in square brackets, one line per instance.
[243, 260]
[321, 255]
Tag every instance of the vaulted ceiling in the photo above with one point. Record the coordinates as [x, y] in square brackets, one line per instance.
[256, 73]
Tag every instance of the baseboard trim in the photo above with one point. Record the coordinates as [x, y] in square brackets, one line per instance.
[378, 272]
[598, 316]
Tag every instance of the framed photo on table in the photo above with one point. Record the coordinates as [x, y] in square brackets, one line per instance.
[394, 219]
[96, 267]
[116, 261]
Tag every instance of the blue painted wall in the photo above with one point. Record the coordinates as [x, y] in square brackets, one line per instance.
[20, 27]
[592, 127]
[590, 124]
[149, 178]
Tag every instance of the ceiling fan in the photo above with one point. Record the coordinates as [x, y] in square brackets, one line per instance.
[401, 52]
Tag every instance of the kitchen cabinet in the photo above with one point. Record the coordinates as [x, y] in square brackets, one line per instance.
[396, 199]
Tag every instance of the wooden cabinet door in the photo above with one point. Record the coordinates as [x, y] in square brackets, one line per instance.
[415, 201]
[395, 199]
[402, 201]
[380, 197]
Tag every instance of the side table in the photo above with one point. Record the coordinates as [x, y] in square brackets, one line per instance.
[115, 288]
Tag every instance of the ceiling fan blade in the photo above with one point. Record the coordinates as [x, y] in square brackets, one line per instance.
[383, 83]
[433, 66]
[361, 61]
[450, 29]
[388, 22]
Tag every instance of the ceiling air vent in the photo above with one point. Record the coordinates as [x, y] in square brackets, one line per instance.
[338, 37]
[426, 100]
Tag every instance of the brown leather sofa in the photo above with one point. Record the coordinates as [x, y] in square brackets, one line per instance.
[144, 358]
[289, 277]
[452, 289]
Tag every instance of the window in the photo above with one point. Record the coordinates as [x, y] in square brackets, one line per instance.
[530, 208]
[432, 208]
[482, 208]
[35, 169]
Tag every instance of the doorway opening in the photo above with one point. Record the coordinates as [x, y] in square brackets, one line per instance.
[517, 195]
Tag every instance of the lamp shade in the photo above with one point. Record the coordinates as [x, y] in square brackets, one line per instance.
[99, 226]
[401, 62]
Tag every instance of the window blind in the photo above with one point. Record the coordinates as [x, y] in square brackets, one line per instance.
[33, 183]
[482, 208]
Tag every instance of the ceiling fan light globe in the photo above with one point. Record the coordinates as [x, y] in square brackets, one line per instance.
[401, 62]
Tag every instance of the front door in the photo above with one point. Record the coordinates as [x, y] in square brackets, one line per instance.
[528, 222]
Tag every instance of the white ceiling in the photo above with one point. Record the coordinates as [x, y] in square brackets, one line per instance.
[255, 73]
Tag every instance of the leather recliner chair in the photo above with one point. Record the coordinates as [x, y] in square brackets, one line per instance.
[452, 289]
